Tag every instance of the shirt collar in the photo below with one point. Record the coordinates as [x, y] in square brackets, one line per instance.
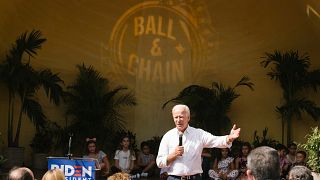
[185, 131]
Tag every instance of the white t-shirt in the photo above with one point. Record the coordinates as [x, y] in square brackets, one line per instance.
[124, 158]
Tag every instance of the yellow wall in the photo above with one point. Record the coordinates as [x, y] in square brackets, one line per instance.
[222, 41]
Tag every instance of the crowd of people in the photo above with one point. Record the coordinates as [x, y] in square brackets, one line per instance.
[184, 153]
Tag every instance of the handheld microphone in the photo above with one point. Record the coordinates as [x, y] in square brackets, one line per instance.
[180, 139]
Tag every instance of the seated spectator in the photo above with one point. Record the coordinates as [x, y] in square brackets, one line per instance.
[93, 152]
[223, 167]
[291, 156]
[241, 161]
[146, 161]
[119, 176]
[124, 158]
[263, 163]
[300, 173]
[284, 163]
[20, 173]
[206, 162]
[300, 159]
[54, 174]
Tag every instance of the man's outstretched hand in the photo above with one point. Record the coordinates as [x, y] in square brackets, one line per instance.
[234, 134]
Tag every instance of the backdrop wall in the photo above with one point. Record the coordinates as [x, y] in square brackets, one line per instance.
[157, 48]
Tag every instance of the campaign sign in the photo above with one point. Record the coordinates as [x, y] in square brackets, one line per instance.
[74, 169]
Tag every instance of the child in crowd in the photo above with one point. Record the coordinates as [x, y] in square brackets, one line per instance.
[223, 167]
[206, 162]
[93, 152]
[284, 163]
[300, 159]
[291, 156]
[146, 160]
[125, 158]
[241, 161]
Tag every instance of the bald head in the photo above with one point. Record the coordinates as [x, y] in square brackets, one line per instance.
[21, 173]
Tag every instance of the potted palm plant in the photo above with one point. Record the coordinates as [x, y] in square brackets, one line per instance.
[312, 147]
[209, 106]
[43, 142]
[23, 82]
[291, 70]
[93, 108]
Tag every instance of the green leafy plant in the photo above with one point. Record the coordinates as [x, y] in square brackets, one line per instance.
[23, 83]
[292, 71]
[312, 146]
[93, 108]
[209, 106]
[264, 140]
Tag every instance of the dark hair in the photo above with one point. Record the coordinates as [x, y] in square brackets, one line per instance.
[303, 153]
[245, 144]
[132, 153]
[280, 147]
[143, 144]
[20, 173]
[91, 142]
[292, 144]
[219, 156]
[264, 163]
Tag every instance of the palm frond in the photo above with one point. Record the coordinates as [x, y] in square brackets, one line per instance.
[33, 110]
[245, 81]
[51, 84]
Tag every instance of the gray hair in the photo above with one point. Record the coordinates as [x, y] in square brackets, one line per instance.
[264, 163]
[185, 107]
[300, 173]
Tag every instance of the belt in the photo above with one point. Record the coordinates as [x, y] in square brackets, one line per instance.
[195, 176]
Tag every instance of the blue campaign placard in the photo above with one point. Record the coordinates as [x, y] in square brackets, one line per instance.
[74, 169]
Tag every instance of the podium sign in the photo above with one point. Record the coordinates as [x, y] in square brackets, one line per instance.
[74, 169]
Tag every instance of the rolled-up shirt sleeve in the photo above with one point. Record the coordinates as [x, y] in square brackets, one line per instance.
[163, 153]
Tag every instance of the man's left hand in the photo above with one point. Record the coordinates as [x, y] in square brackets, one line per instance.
[234, 134]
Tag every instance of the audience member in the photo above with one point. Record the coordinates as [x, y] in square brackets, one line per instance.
[300, 159]
[54, 174]
[300, 173]
[206, 162]
[20, 173]
[284, 163]
[263, 163]
[223, 167]
[146, 160]
[93, 152]
[291, 156]
[241, 161]
[119, 176]
[125, 157]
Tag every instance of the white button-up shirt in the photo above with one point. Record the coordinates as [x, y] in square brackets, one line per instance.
[193, 141]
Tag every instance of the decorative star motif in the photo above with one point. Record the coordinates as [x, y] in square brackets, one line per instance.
[180, 48]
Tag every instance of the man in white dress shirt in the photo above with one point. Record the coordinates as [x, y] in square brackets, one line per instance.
[184, 162]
